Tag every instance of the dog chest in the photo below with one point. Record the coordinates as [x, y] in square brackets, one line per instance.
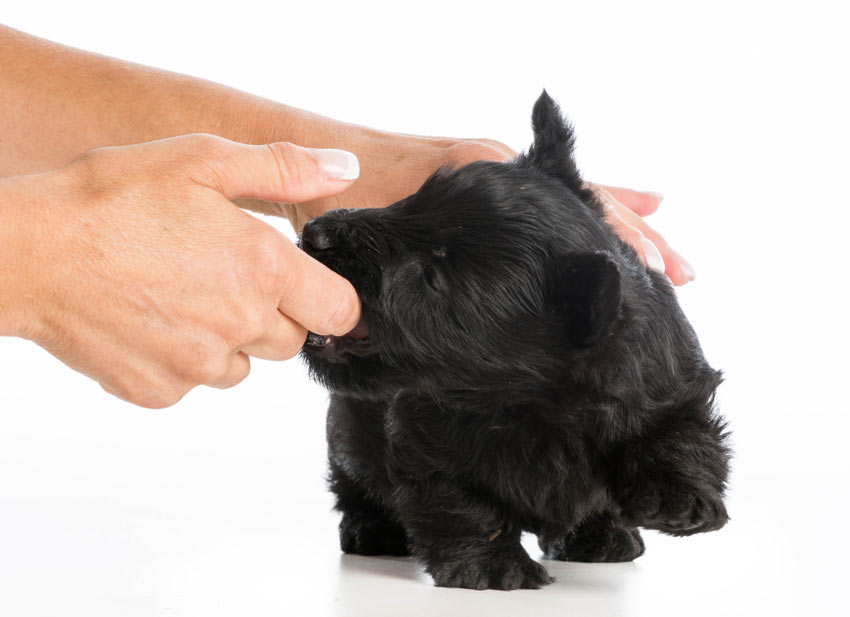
[540, 471]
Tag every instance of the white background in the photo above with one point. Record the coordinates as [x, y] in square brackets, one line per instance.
[736, 111]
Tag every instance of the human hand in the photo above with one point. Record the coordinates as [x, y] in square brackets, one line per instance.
[625, 207]
[394, 166]
[36, 137]
[132, 265]
[624, 210]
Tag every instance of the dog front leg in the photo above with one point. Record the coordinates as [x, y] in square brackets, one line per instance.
[464, 537]
[462, 540]
[674, 480]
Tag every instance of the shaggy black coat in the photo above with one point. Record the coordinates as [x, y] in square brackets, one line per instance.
[518, 368]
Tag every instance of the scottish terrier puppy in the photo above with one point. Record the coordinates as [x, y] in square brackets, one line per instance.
[517, 368]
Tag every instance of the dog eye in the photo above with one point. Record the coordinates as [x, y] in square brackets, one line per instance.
[433, 278]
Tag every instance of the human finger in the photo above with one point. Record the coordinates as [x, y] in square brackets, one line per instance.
[315, 296]
[238, 368]
[281, 341]
[624, 226]
[279, 172]
[677, 269]
[641, 203]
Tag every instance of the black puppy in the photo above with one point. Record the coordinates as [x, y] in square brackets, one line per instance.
[517, 369]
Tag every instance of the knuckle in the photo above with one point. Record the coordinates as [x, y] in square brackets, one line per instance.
[204, 144]
[148, 387]
[161, 399]
[205, 158]
[284, 155]
[268, 266]
[290, 346]
[236, 370]
[152, 396]
[266, 254]
[242, 370]
[210, 369]
[339, 319]
[114, 390]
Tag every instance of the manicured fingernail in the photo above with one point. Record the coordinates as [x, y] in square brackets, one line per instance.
[337, 164]
[687, 269]
[657, 195]
[652, 255]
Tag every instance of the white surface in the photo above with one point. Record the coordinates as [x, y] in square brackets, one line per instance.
[737, 112]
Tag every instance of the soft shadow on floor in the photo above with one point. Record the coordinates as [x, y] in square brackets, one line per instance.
[383, 567]
[398, 586]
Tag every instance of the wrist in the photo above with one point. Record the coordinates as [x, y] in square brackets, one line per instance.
[23, 222]
[273, 122]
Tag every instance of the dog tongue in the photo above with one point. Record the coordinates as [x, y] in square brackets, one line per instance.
[359, 332]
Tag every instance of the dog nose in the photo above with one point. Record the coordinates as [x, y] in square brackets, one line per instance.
[315, 237]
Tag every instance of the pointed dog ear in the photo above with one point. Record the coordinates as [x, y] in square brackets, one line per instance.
[587, 295]
[554, 142]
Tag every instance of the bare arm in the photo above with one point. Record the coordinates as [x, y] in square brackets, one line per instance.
[57, 102]
[186, 285]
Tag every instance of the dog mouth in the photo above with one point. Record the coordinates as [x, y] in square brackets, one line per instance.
[357, 343]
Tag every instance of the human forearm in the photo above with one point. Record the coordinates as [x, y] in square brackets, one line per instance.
[17, 240]
[57, 102]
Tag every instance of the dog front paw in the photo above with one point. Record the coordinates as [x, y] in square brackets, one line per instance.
[677, 511]
[372, 536]
[505, 570]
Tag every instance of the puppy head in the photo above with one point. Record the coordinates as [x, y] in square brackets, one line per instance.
[494, 276]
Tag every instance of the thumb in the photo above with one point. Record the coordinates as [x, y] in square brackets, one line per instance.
[281, 171]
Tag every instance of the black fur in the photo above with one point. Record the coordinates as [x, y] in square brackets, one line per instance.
[523, 371]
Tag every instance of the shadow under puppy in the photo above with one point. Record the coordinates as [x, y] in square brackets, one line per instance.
[517, 368]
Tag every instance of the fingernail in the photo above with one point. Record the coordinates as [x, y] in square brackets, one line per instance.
[687, 269]
[652, 255]
[656, 194]
[337, 164]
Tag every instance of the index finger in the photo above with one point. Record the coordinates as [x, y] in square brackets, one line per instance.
[678, 270]
[317, 297]
[641, 203]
